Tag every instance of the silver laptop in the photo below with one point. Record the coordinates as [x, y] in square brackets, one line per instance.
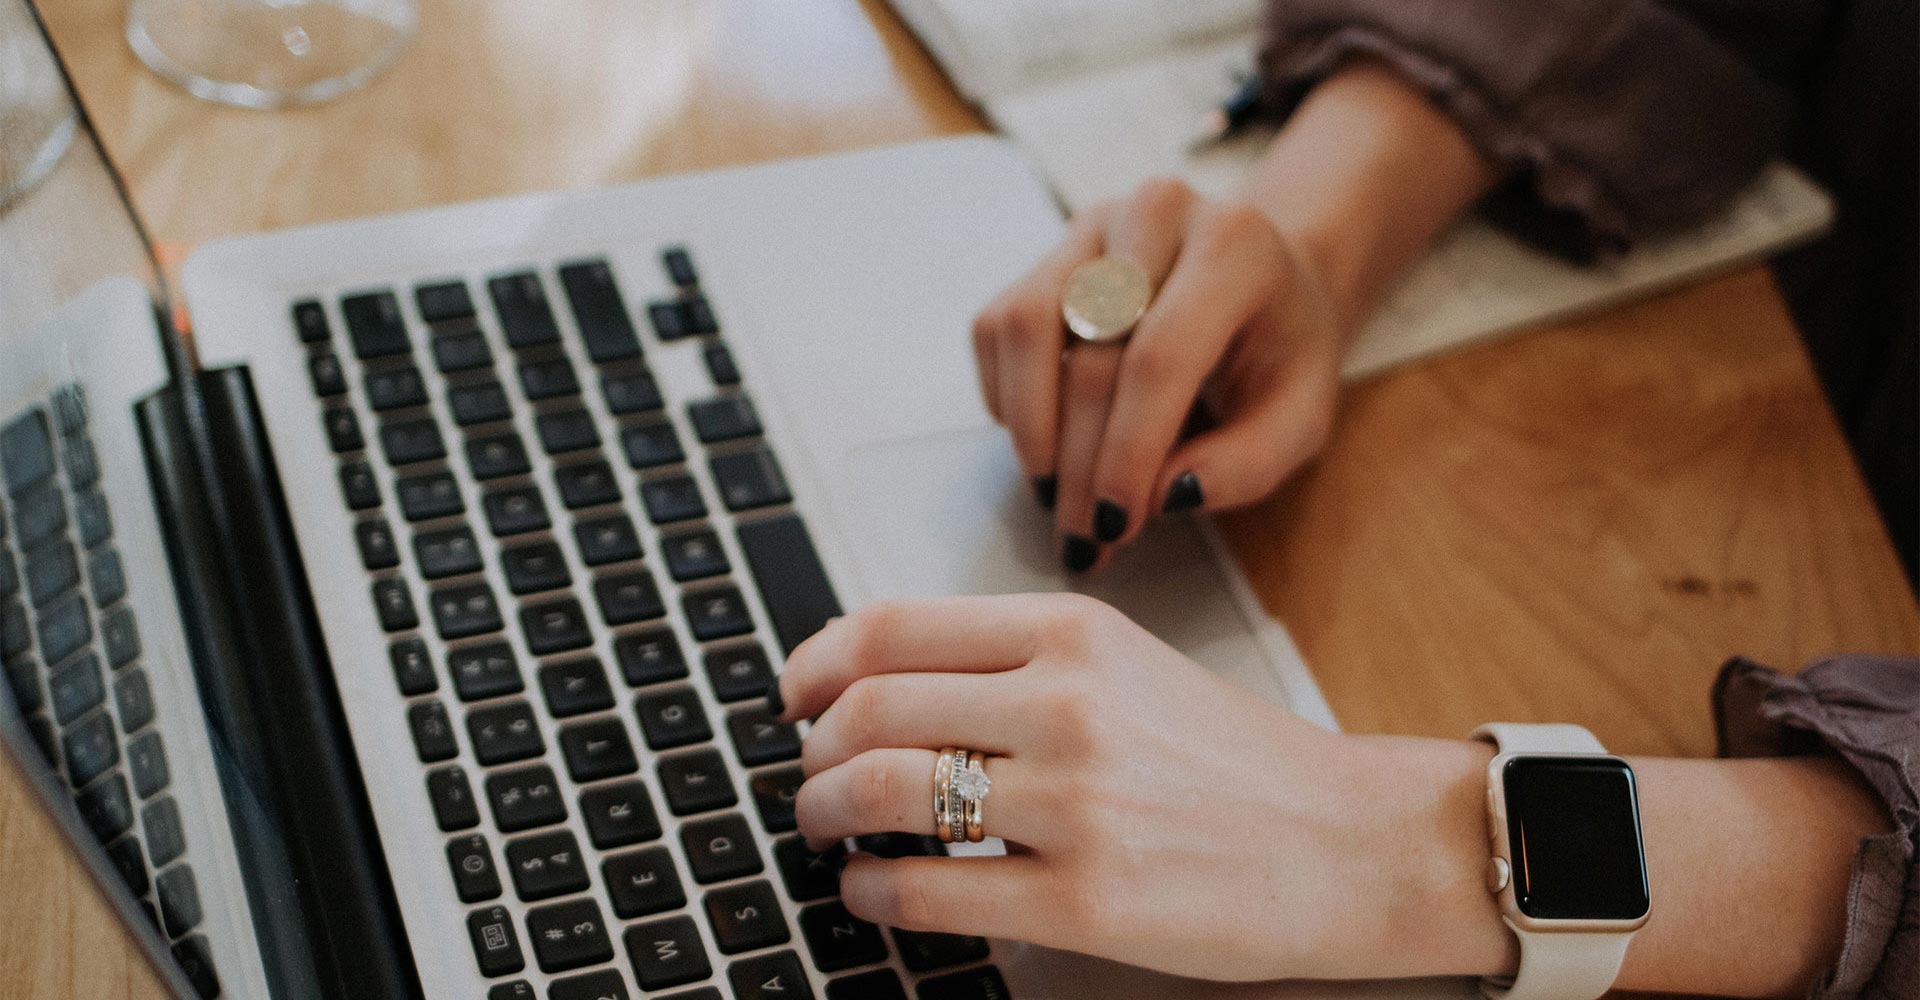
[411, 640]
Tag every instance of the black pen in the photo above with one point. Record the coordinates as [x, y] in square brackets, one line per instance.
[1233, 114]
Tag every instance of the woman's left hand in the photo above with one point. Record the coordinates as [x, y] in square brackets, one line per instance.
[1153, 814]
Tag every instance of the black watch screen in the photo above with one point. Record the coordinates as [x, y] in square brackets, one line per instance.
[1573, 830]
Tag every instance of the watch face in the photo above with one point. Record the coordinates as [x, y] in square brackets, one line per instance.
[1573, 828]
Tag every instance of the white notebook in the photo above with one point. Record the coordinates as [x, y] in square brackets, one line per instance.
[1105, 93]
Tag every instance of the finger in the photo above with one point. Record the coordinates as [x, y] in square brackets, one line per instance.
[1029, 339]
[1227, 269]
[956, 634]
[1248, 457]
[986, 358]
[927, 711]
[890, 790]
[1003, 897]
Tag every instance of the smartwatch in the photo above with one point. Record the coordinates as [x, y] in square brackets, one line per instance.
[1566, 861]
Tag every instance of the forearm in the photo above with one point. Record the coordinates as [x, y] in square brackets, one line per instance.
[1366, 173]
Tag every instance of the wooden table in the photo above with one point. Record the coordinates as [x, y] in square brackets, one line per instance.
[1580, 524]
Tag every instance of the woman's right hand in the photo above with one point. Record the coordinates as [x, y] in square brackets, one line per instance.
[1239, 316]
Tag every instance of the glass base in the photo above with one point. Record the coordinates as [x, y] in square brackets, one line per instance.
[267, 55]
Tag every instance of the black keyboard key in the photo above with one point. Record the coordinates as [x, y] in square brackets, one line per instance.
[106, 807]
[694, 556]
[134, 699]
[147, 764]
[525, 798]
[479, 403]
[675, 498]
[900, 845]
[413, 666]
[642, 883]
[717, 614]
[166, 839]
[40, 514]
[533, 568]
[16, 636]
[626, 598]
[9, 574]
[377, 548]
[374, 325]
[568, 935]
[778, 976]
[607, 540]
[983, 983]
[83, 464]
[838, 939]
[588, 485]
[758, 739]
[425, 497]
[672, 719]
[750, 479]
[720, 848]
[41, 729]
[343, 431]
[504, 734]
[575, 688]
[395, 388]
[724, 419]
[619, 815]
[809, 874]
[412, 441]
[774, 793]
[106, 577]
[449, 552]
[443, 301]
[179, 899]
[329, 380]
[555, 627]
[516, 511]
[696, 782]
[720, 365]
[484, 671]
[745, 917]
[605, 984]
[52, 570]
[546, 865]
[597, 749]
[630, 392]
[549, 379]
[65, 626]
[130, 860]
[310, 322]
[119, 637]
[738, 672]
[90, 518]
[471, 861]
[497, 456]
[670, 320]
[880, 984]
[432, 732]
[461, 352]
[452, 798]
[521, 303]
[358, 485]
[667, 953]
[75, 688]
[195, 959]
[518, 989]
[91, 749]
[599, 311]
[679, 265]
[925, 951]
[23, 677]
[394, 604]
[792, 583]
[700, 318]
[495, 945]
[571, 430]
[465, 611]
[649, 657]
[26, 451]
[652, 444]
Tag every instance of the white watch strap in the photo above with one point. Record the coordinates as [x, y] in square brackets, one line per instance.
[1555, 965]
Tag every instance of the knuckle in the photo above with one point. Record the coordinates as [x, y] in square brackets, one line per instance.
[1160, 198]
[1030, 319]
[1233, 227]
[874, 788]
[869, 630]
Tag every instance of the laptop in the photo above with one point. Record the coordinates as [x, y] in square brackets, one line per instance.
[403, 631]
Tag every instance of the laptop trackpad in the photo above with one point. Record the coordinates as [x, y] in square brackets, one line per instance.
[951, 514]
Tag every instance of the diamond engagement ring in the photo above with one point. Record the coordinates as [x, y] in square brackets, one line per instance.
[960, 784]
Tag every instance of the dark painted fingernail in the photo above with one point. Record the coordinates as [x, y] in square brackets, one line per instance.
[1078, 553]
[1184, 494]
[1046, 489]
[776, 705]
[1109, 521]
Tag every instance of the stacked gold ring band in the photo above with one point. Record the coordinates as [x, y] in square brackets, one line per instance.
[960, 785]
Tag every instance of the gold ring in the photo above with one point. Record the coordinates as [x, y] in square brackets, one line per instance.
[960, 783]
[942, 792]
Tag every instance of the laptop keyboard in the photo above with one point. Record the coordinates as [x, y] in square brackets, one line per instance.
[606, 803]
[71, 651]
